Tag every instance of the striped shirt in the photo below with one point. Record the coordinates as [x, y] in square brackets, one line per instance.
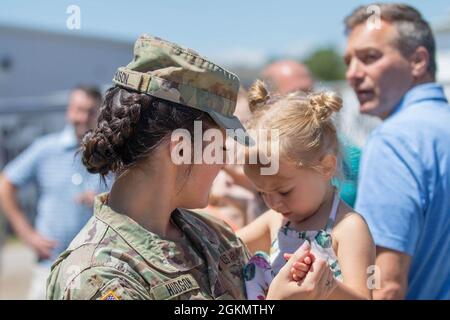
[52, 163]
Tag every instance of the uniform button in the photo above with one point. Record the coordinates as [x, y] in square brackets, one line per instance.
[77, 179]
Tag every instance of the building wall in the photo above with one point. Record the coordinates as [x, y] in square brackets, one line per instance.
[36, 63]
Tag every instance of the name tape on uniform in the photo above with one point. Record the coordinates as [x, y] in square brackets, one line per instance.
[130, 79]
[174, 287]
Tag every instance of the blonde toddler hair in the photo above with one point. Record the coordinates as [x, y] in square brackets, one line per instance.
[304, 122]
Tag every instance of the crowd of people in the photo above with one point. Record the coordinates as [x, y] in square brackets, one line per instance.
[155, 229]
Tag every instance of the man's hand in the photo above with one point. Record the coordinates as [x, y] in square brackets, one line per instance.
[41, 245]
[8, 200]
[86, 198]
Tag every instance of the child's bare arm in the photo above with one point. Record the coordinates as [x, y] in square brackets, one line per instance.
[356, 252]
[256, 235]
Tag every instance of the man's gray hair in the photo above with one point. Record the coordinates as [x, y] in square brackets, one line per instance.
[414, 31]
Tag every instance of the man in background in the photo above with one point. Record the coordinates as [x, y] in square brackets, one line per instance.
[65, 189]
[404, 180]
[285, 76]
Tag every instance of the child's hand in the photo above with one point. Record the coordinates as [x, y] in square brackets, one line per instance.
[300, 268]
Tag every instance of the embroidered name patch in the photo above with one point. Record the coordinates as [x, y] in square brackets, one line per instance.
[174, 287]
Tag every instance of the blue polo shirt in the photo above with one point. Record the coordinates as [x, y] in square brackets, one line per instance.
[52, 162]
[404, 188]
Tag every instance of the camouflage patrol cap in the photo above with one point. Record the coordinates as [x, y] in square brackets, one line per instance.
[171, 72]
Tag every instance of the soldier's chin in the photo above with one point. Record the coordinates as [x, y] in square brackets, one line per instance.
[197, 204]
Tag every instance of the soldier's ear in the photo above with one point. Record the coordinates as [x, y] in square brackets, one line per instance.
[180, 147]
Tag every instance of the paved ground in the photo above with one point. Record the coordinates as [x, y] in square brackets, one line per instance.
[15, 270]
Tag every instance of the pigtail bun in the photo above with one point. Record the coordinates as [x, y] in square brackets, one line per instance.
[324, 104]
[258, 96]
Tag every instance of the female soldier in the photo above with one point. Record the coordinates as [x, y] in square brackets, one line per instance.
[140, 244]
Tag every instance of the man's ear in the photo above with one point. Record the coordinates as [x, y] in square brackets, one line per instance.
[420, 60]
[328, 166]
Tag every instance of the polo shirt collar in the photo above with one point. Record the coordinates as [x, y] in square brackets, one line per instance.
[68, 138]
[420, 93]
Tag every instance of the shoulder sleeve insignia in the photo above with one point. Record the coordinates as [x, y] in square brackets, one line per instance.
[110, 295]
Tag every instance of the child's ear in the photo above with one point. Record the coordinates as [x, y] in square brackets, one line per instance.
[328, 166]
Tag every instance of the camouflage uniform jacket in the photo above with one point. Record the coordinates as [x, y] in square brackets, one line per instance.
[115, 258]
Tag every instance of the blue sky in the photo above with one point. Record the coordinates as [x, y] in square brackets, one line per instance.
[230, 30]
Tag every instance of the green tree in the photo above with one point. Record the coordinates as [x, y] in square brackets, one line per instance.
[326, 64]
